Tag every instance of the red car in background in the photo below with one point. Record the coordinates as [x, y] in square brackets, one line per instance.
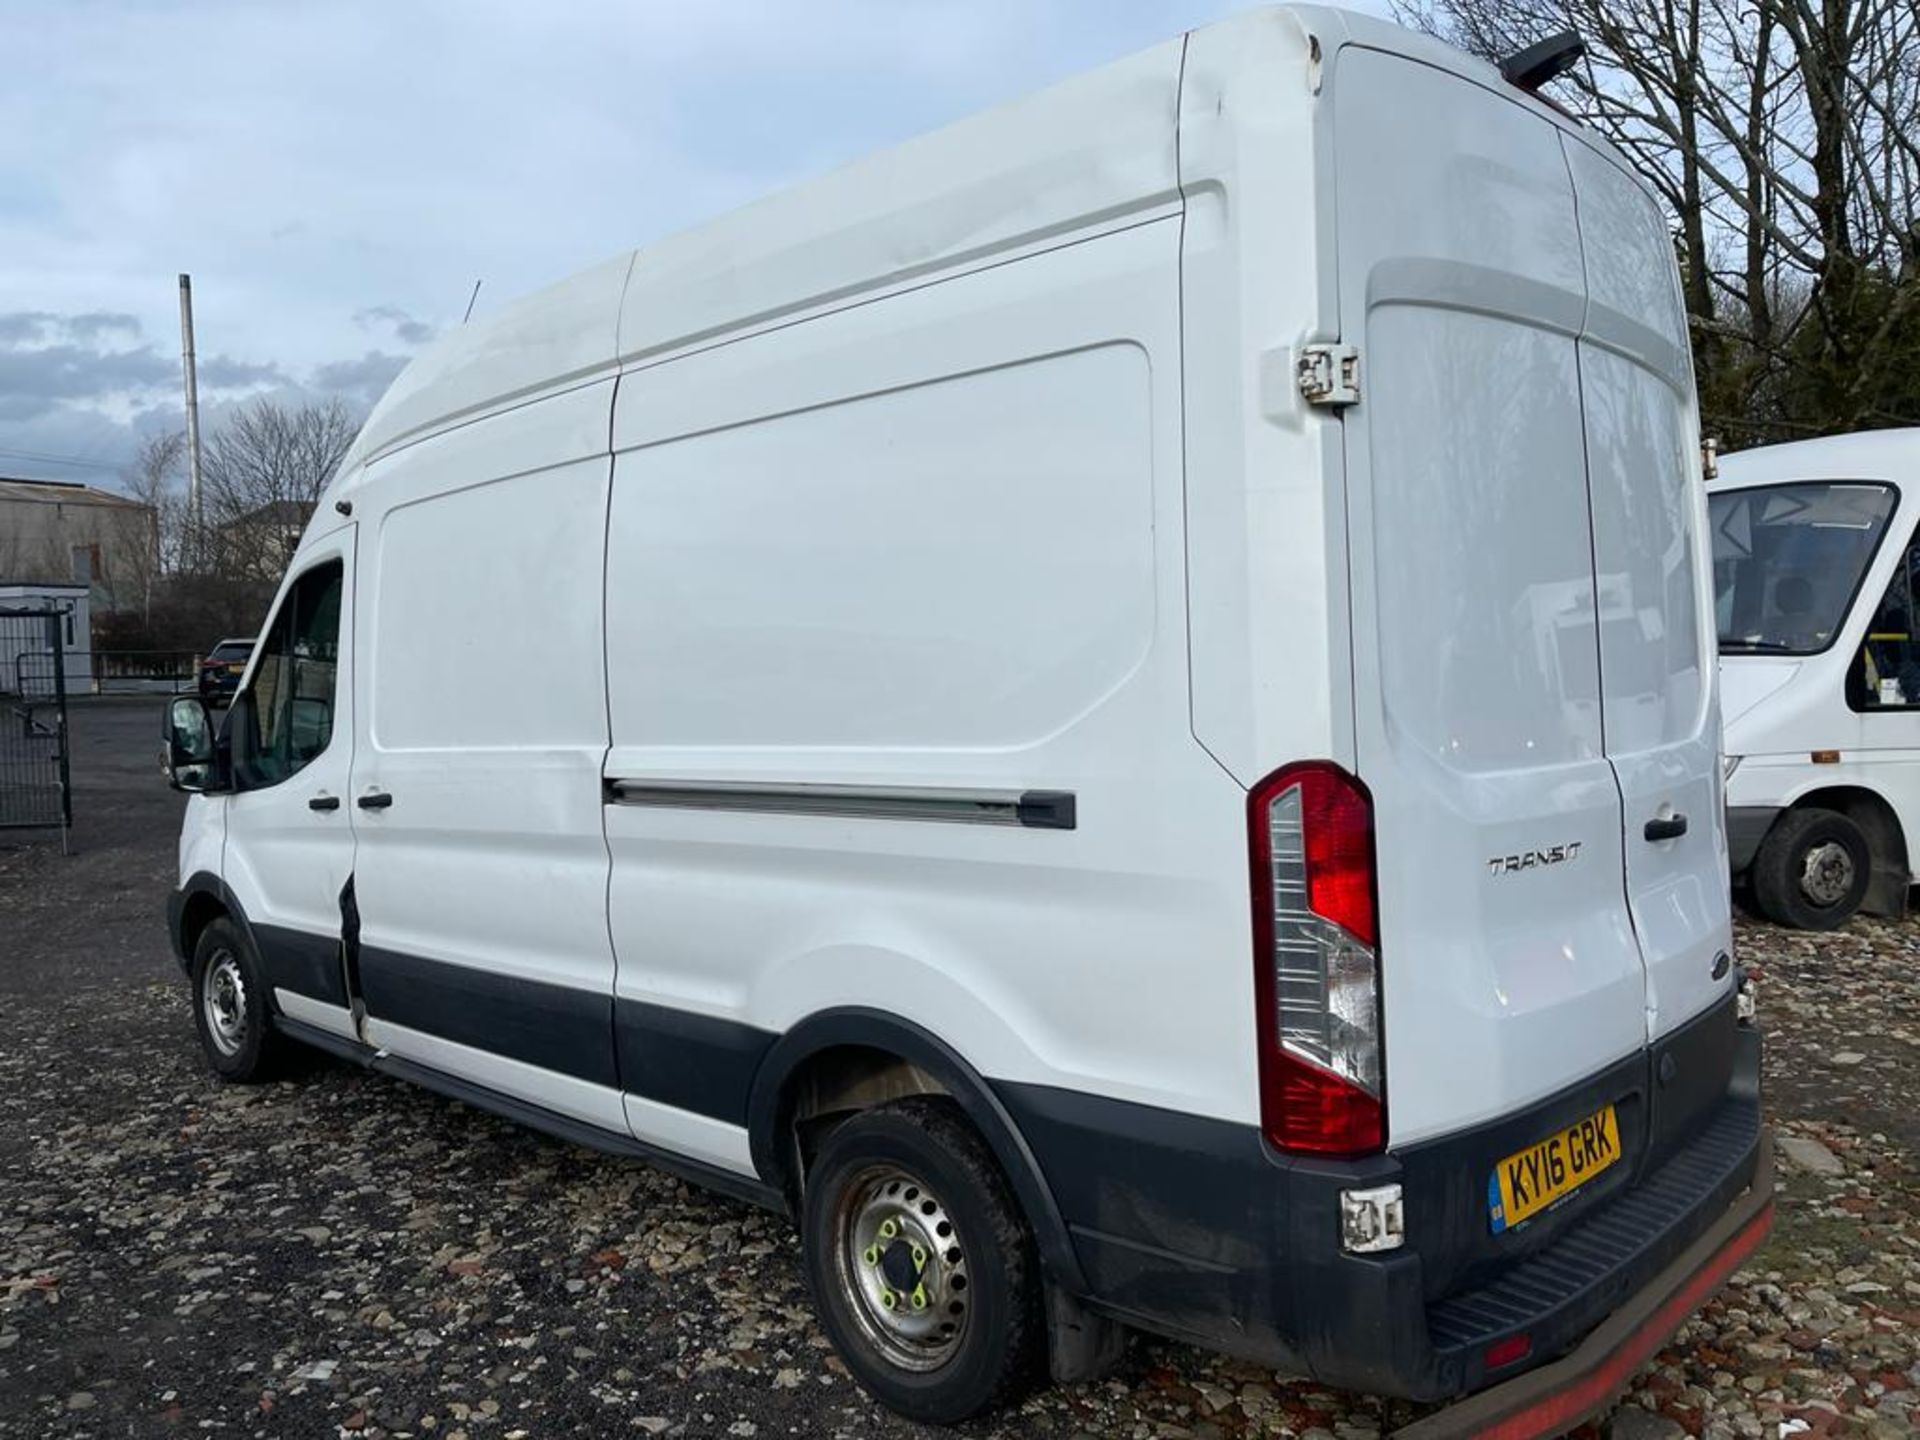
[221, 669]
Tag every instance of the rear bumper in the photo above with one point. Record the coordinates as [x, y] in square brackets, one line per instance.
[1195, 1229]
[1557, 1397]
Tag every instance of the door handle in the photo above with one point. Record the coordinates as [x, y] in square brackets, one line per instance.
[1666, 827]
[374, 800]
[324, 802]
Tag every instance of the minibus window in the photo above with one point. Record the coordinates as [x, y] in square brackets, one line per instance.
[287, 718]
[1788, 561]
[1886, 673]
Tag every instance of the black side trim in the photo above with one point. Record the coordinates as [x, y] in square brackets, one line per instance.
[1048, 810]
[562, 1127]
[295, 960]
[691, 1062]
[302, 962]
[770, 1115]
[1033, 809]
[553, 1026]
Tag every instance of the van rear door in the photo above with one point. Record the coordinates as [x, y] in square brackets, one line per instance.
[1657, 657]
[1508, 959]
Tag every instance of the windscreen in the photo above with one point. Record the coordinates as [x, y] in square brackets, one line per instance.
[232, 650]
[1787, 560]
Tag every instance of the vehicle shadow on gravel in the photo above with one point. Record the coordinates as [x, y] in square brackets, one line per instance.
[339, 1253]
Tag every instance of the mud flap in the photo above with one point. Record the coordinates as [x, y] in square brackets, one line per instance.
[1081, 1345]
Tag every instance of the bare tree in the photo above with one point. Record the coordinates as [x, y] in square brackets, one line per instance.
[264, 469]
[1784, 137]
[153, 479]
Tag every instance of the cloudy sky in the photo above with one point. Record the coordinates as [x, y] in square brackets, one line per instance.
[337, 175]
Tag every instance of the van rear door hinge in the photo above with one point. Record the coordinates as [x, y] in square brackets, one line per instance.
[1329, 374]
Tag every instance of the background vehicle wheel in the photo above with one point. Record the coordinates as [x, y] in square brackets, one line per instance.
[922, 1267]
[1812, 870]
[230, 1006]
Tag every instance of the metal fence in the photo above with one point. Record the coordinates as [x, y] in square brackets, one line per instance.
[34, 779]
[106, 672]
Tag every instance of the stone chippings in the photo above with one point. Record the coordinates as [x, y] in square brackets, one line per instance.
[340, 1254]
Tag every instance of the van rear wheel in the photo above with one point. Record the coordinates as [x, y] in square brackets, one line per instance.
[1813, 870]
[922, 1268]
[230, 1006]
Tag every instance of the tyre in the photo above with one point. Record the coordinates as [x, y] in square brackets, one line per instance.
[230, 1006]
[1812, 870]
[921, 1265]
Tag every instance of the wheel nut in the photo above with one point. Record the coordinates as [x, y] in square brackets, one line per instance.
[888, 1300]
[919, 1256]
[888, 1229]
[919, 1297]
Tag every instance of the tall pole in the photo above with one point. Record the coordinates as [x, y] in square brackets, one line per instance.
[196, 515]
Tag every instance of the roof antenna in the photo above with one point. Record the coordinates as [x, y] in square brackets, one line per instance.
[1542, 61]
[470, 299]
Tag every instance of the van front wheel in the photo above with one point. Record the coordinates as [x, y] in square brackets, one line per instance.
[1813, 870]
[921, 1266]
[230, 1006]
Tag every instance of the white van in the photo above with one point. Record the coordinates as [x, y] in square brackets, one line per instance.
[1814, 560]
[1112, 707]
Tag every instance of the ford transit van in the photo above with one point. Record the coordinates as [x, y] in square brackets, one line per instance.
[1814, 558]
[1124, 726]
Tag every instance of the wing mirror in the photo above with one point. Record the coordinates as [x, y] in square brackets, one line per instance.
[186, 748]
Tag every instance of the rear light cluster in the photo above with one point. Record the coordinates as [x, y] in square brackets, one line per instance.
[1316, 961]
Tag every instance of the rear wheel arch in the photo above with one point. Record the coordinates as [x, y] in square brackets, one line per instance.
[841, 1061]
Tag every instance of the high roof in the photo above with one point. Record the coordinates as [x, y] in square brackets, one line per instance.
[1098, 149]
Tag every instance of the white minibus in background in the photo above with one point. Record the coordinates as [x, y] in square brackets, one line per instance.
[1126, 728]
[1813, 566]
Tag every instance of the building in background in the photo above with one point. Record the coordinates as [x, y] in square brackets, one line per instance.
[258, 544]
[60, 533]
[28, 664]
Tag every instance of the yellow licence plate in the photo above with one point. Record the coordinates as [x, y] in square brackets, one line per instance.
[1529, 1180]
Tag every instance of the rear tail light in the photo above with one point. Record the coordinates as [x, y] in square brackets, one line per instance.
[1316, 961]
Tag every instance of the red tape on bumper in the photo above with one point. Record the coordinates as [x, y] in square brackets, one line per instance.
[1565, 1408]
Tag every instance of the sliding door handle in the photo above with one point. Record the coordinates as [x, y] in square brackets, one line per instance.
[324, 802]
[1666, 827]
[374, 800]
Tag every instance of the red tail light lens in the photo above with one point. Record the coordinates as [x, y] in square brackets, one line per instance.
[1316, 962]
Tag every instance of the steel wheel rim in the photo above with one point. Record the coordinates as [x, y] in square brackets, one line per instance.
[223, 1000]
[1826, 875]
[902, 1268]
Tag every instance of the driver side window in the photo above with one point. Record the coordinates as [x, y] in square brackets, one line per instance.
[287, 717]
[1886, 673]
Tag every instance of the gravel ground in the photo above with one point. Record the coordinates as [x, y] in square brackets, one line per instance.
[343, 1255]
